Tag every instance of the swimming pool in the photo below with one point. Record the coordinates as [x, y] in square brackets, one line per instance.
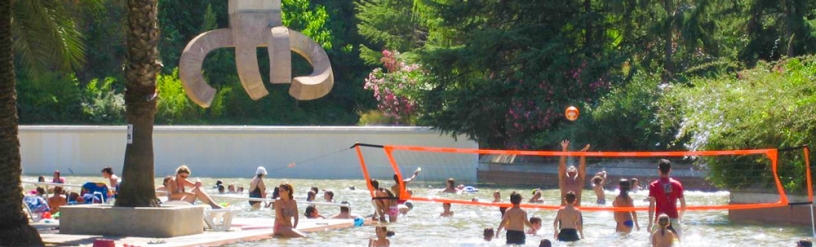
[423, 226]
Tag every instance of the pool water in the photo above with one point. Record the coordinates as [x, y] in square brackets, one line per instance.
[423, 226]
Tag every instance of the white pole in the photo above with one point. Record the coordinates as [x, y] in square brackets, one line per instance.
[812, 224]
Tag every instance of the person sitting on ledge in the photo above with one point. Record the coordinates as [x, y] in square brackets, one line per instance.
[177, 191]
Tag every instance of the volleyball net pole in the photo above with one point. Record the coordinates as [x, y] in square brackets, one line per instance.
[806, 150]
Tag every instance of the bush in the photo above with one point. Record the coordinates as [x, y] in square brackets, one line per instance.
[768, 106]
[103, 104]
[375, 117]
[49, 98]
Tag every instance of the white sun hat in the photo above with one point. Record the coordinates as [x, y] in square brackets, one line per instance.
[260, 171]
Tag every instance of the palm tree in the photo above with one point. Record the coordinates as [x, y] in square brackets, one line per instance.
[141, 69]
[13, 223]
[45, 35]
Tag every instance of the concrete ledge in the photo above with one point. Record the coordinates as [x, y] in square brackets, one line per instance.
[791, 215]
[163, 222]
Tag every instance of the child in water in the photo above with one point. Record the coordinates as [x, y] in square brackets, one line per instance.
[568, 223]
[446, 207]
[536, 222]
[488, 234]
[598, 186]
[381, 240]
[514, 220]
[663, 237]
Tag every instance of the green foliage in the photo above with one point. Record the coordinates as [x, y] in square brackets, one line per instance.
[310, 20]
[103, 104]
[45, 34]
[48, 98]
[398, 88]
[765, 107]
[630, 117]
[375, 117]
[510, 72]
[776, 29]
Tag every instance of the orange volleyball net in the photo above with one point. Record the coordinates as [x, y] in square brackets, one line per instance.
[754, 170]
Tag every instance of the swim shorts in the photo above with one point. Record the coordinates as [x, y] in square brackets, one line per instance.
[629, 223]
[568, 235]
[516, 237]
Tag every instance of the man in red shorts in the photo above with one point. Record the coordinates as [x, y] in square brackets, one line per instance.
[664, 193]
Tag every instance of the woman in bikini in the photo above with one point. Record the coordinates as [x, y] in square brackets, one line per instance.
[177, 192]
[625, 219]
[285, 210]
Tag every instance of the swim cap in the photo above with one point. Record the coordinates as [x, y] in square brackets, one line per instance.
[260, 171]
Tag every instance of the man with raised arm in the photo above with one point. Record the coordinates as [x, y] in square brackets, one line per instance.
[571, 179]
[663, 196]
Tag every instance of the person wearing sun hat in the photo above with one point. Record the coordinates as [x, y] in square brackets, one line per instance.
[257, 188]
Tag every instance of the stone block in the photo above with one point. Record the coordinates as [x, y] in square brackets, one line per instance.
[158, 222]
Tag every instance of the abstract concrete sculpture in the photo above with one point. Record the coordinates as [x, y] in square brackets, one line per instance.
[257, 23]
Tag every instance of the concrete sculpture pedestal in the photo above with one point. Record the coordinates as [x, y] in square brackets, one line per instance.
[161, 222]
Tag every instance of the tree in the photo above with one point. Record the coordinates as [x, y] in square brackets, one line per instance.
[13, 223]
[507, 72]
[141, 70]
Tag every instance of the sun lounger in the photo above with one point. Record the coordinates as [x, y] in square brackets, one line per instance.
[35, 206]
[215, 219]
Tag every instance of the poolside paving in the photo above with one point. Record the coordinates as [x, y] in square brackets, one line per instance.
[242, 230]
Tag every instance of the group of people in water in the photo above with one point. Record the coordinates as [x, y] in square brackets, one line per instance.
[664, 193]
[180, 188]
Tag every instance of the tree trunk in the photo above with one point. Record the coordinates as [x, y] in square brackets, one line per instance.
[14, 228]
[668, 66]
[142, 32]
[588, 34]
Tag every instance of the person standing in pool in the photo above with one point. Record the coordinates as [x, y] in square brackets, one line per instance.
[399, 187]
[285, 211]
[514, 219]
[257, 188]
[571, 179]
[663, 196]
[569, 222]
[598, 183]
[381, 240]
[497, 199]
[627, 219]
[450, 186]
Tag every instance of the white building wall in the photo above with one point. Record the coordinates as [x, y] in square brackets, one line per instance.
[235, 151]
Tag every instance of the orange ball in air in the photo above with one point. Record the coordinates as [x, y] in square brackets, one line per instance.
[572, 113]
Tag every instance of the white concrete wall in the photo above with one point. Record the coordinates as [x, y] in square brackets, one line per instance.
[236, 151]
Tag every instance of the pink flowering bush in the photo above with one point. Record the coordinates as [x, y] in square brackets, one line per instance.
[396, 88]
